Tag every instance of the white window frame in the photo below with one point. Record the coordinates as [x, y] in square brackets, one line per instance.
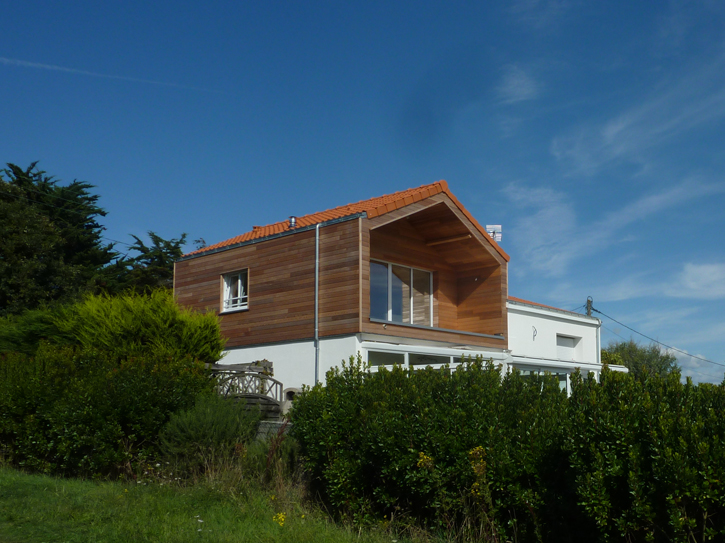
[572, 350]
[390, 265]
[240, 303]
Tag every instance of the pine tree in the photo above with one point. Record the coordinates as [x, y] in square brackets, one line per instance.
[51, 245]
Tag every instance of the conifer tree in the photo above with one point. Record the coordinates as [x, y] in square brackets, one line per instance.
[51, 245]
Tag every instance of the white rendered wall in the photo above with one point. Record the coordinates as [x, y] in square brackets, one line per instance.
[294, 363]
[532, 334]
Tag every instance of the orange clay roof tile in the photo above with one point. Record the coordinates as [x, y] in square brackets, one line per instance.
[372, 208]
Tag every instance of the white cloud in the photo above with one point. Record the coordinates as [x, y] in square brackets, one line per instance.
[627, 288]
[671, 111]
[517, 86]
[509, 126]
[551, 237]
[544, 234]
[681, 18]
[695, 281]
[701, 281]
[699, 370]
[708, 332]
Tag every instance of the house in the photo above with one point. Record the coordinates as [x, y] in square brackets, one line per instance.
[547, 339]
[407, 278]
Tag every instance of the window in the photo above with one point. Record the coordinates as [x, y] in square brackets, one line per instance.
[566, 347]
[382, 358]
[562, 377]
[235, 291]
[401, 294]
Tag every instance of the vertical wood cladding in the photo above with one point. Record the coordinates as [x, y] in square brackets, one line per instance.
[469, 279]
[479, 301]
[469, 284]
[281, 286]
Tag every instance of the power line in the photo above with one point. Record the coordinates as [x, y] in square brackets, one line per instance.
[615, 333]
[658, 342]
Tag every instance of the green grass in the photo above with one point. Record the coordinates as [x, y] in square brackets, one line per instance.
[36, 508]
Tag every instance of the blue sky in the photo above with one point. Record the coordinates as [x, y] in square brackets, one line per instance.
[592, 131]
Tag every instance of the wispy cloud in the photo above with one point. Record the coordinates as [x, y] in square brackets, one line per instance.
[698, 98]
[544, 233]
[699, 370]
[699, 281]
[681, 18]
[551, 237]
[694, 281]
[52, 67]
[517, 86]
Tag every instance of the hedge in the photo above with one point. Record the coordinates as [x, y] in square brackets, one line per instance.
[507, 457]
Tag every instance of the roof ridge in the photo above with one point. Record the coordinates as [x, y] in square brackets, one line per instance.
[537, 304]
[372, 207]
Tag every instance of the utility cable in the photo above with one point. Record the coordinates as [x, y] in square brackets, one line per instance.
[658, 342]
[615, 333]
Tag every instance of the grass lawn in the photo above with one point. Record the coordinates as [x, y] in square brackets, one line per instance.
[36, 508]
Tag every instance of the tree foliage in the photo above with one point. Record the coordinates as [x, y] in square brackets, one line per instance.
[75, 411]
[52, 249]
[153, 266]
[640, 359]
[50, 241]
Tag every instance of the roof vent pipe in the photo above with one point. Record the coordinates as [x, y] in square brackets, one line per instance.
[293, 222]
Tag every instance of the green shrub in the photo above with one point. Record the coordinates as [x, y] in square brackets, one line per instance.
[498, 458]
[70, 410]
[648, 456]
[460, 450]
[124, 325]
[24, 333]
[214, 429]
[130, 324]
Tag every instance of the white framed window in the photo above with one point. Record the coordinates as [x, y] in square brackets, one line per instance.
[236, 295]
[401, 294]
[566, 347]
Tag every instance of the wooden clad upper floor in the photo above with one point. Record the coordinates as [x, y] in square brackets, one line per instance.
[280, 286]
[470, 279]
[271, 280]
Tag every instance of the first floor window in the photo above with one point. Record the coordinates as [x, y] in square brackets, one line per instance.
[401, 294]
[235, 291]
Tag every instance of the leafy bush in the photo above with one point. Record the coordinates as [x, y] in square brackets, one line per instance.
[648, 456]
[213, 429]
[499, 458]
[23, 333]
[130, 324]
[124, 325]
[462, 449]
[70, 410]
